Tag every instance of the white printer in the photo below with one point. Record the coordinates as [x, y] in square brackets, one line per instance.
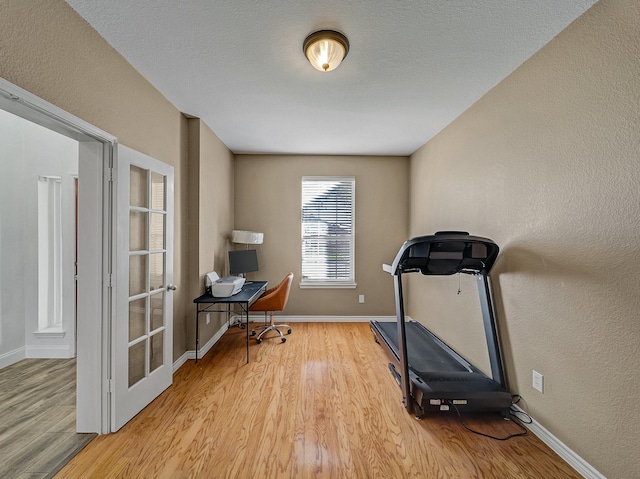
[223, 287]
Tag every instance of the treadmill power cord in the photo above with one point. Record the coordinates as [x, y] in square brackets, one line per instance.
[519, 414]
[515, 415]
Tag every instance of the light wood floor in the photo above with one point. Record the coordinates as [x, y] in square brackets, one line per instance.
[38, 418]
[323, 404]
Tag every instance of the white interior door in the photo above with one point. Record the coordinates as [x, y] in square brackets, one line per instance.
[142, 328]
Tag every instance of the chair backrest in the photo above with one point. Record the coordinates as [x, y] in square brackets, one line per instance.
[275, 299]
[286, 288]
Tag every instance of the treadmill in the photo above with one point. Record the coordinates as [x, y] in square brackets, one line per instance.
[432, 376]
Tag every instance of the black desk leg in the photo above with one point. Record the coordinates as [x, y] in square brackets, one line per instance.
[197, 331]
[247, 313]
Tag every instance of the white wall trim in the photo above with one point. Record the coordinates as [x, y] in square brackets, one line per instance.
[50, 333]
[49, 352]
[560, 448]
[12, 357]
[178, 363]
[319, 319]
[18, 95]
[191, 354]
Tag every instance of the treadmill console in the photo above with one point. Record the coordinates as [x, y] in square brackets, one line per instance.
[446, 253]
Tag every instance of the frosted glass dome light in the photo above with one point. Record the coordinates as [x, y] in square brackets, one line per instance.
[325, 49]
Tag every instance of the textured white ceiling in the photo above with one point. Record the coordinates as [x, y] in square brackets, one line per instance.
[413, 66]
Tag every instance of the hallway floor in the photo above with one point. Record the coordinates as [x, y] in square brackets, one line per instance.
[38, 418]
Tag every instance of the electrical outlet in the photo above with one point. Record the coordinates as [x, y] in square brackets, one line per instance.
[538, 381]
[361, 298]
[208, 318]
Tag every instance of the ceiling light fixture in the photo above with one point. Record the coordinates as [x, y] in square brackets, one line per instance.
[325, 49]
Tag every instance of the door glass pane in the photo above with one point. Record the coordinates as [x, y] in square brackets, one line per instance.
[155, 351]
[156, 277]
[137, 231]
[157, 311]
[138, 187]
[157, 191]
[137, 319]
[136, 362]
[156, 233]
[137, 274]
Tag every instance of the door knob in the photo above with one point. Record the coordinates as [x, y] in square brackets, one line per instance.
[172, 287]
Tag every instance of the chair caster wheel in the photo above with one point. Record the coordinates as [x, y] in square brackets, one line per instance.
[258, 341]
[289, 331]
[253, 333]
[284, 340]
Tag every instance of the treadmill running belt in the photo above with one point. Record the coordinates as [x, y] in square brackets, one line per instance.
[425, 355]
[440, 374]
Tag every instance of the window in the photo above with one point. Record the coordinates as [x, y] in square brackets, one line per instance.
[50, 244]
[328, 233]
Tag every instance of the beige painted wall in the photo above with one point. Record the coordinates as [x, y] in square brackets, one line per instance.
[547, 165]
[268, 199]
[49, 50]
[210, 216]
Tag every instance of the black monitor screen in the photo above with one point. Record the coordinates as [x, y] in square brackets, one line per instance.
[243, 261]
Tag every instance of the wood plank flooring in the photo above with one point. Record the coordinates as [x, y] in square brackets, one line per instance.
[38, 418]
[321, 405]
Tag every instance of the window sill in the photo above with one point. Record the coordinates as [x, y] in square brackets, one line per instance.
[327, 285]
[55, 332]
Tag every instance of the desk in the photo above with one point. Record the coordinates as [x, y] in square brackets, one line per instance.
[206, 303]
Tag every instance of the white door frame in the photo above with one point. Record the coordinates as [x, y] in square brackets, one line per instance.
[95, 235]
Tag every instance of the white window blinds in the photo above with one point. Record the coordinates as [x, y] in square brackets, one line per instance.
[328, 215]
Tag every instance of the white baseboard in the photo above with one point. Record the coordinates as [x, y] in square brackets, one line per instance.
[278, 319]
[12, 357]
[178, 363]
[321, 319]
[48, 352]
[560, 448]
[191, 354]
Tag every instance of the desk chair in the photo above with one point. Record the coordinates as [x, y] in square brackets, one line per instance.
[274, 299]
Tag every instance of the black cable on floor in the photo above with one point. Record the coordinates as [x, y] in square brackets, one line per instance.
[516, 420]
[519, 414]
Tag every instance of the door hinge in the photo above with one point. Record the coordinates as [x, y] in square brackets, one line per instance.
[109, 385]
[109, 280]
[110, 174]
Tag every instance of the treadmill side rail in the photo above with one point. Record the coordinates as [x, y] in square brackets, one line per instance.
[402, 345]
[491, 330]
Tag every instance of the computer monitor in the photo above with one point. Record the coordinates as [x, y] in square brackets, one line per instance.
[243, 261]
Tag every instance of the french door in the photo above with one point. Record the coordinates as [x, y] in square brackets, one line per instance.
[142, 340]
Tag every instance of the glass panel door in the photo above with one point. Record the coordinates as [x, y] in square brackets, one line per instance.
[147, 233]
[143, 325]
